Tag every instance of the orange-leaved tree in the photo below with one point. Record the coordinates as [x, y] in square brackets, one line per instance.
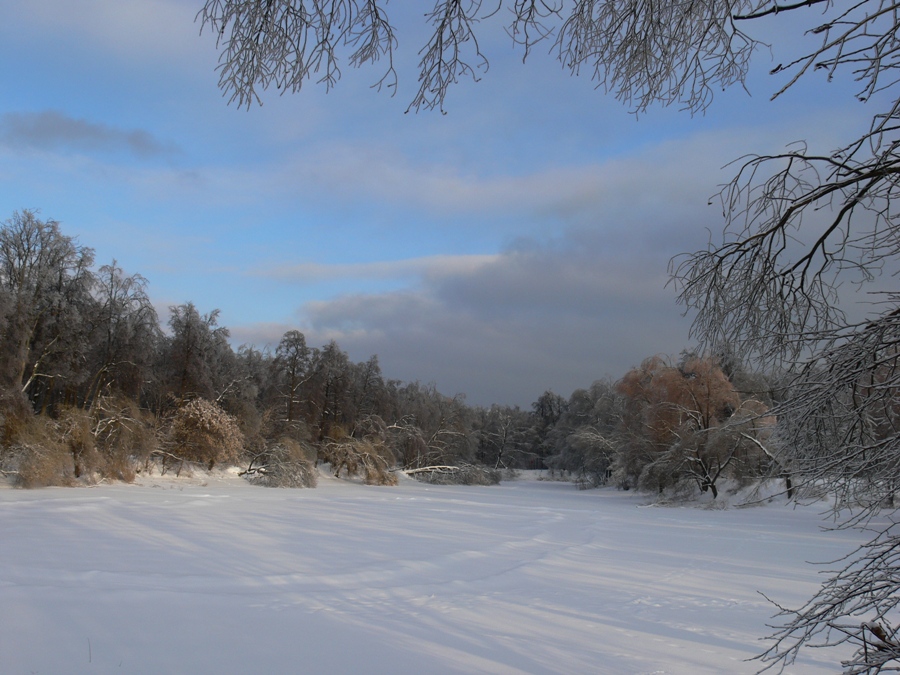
[680, 426]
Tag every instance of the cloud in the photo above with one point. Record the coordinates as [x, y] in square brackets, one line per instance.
[152, 32]
[387, 175]
[550, 311]
[427, 267]
[554, 315]
[669, 178]
[56, 131]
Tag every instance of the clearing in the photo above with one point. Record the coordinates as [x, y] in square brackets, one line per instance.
[212, 575]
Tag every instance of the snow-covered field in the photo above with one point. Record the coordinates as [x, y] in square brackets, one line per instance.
[213, 575]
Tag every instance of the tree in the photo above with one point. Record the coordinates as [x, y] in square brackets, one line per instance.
[501, 433]
[244, 393]
[838, 428]
[328, 391]
[588, 435]
[369, 396]
[196, 353]
[292, 359]
[627, 49]
[546, 414]
[675, 418]
[125, 331]
[45, 280]
[429, 428]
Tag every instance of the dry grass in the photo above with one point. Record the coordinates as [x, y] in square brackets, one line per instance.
[106, 442]
[43, 466]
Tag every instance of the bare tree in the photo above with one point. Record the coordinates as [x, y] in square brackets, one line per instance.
[125, 331]
[857, 606]
[292, 358]
[45, 280]
[628, 48]
[798, 226]
[196, 353]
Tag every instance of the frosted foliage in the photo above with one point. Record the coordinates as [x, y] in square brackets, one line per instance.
[626, 48]
[203, 432]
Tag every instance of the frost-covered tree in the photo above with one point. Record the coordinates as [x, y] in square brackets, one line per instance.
[625, 45]
[435, 428]
[292, 360]
[588, 436]
[369, 393]
[45, 282]
[328, 391]
[198, 355]
[124, 333]
[502, 435]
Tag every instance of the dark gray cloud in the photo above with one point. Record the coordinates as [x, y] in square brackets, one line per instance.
[510, 359]
[556, 316]
[56, 131]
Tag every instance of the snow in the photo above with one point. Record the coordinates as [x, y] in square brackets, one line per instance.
[212, 575]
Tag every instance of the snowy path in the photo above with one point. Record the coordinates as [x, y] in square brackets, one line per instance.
[527, 577]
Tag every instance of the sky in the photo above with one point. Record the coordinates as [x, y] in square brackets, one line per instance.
[518, 243]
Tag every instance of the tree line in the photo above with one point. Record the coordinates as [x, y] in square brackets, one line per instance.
[94, 387]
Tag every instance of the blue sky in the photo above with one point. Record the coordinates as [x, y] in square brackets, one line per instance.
[516, 244]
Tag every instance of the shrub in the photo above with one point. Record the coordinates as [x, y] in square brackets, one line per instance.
[16, 416]
[202, 432]
[286, 463]
[76, 434]
[361, 456]
[125, 435]
[466, 474]
[666, 475]
[43, 465]
[31, 448]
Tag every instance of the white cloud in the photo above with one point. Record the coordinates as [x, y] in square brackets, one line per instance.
[428, 267]
[148, 31]
[668, 179]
